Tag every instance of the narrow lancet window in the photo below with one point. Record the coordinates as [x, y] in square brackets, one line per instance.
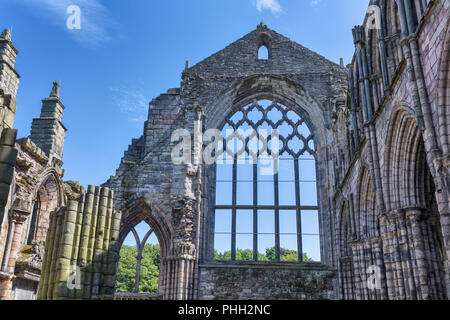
[263, 53]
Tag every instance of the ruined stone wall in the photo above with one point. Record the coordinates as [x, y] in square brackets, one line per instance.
[403, 154]
[275, 282]
[9, 78]
[35, 178]
[381, 135]
[82, 243]
[432, 45]
[29, 176]
[7, 110]
[203, 82]
[177, 200]
[146, 169]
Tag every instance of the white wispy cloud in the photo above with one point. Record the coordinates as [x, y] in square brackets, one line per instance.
[315, 2]
[131, 102]
[96, 22]
[272, 5]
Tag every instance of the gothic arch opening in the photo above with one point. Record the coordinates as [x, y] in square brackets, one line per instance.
[264, 47]
[139, 261]
[144, 240]
[296, 99]
[406, 167]
[366, 220]
[47, 199]
[266, 206]
[412, 205]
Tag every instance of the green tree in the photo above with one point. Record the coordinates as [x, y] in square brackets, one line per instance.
[127, 269]
[270, 255]
[241, 255]
[149, 269]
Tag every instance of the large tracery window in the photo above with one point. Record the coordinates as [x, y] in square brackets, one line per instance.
[266, 200]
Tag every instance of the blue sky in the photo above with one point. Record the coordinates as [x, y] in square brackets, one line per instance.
[128, 52]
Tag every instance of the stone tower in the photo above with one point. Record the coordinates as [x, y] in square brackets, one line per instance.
[9, 80]
[48, 131]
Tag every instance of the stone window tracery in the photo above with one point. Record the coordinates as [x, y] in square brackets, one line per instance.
[266, 195]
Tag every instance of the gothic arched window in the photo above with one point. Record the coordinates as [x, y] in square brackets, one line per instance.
[47, 199]
[32, 223]
[263, 53]
[138, 270]
[266, 194]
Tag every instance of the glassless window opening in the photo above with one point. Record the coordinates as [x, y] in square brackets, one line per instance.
[266, 201]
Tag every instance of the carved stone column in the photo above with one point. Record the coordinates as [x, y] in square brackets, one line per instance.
[5, 285]
[377, 251]
[414, 216]
[180, 264]
[17, 219]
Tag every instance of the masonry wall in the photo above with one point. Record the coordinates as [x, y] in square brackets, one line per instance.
[383, 176]
[275, 282]
[177, 200]
[9, 78]
[146, 168]
[398, 146]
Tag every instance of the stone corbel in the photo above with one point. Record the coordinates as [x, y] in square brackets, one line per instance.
[18, 215]
[184, 250]
[414, 213]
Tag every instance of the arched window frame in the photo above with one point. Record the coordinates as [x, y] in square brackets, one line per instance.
[261, 55]
[47, 197]
[140, 245]
[137, 211]
[298, 208]
[264, 41]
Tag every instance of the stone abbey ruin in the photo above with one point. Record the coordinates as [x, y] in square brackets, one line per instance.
[358, 207]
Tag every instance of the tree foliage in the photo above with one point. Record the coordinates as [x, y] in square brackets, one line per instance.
[269, 255]
[149, 269]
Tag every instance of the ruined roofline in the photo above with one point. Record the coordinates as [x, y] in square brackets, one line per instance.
[259, 29]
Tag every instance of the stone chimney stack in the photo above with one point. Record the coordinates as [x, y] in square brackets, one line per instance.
[9, 81]
[9, 78]
[48, 131]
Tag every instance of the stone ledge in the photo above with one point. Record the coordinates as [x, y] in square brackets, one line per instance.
[6, 276]
[29, 146]
[268, 265]
[137, 296]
